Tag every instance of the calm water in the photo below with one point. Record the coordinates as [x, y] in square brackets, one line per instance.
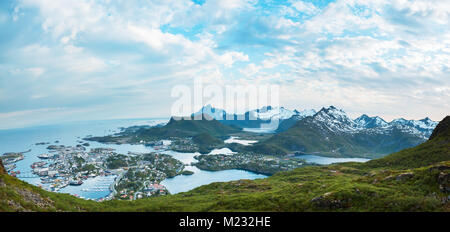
[68, 134]
[183, 183]
[200, 177]
[327, 160]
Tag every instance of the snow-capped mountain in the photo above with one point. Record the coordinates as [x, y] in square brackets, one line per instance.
[271, 113]
[256, 119]
[365, 121]
[304, 113]
[336, 119]
[328, 131]
[331, 118]
[217, 114]
[424, 126]
[298, 115]
[332, 131]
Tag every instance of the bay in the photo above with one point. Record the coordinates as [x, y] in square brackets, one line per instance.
[71, 134]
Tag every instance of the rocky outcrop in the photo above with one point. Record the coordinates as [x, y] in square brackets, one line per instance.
[404, 176]
[444, 182]
[2, 168]
[442, 128]
[328, 201]
[34, 198]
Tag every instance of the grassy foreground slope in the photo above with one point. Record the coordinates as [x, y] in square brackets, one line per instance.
[416, 179]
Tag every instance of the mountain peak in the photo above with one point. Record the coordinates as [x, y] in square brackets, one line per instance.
[306, 112]
[212, 112]
[335, 119]
[265, 108]
[209, 106]
[370, 122]
[269, 112]
[333, 111]
[364, 116]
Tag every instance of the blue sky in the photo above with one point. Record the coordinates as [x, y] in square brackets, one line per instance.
[71, 60]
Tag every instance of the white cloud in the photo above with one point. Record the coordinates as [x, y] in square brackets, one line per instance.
[250, 70]
[36, 71]
[376, 54]
[305, 7]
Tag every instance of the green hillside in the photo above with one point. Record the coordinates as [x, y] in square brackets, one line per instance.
[206, 142]
[435, 150]
[311, 137]
[176, 127]
[206, 134]
[416, 179]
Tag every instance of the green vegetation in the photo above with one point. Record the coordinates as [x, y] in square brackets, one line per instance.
[308, 136]
[250, 162]
[11, 156]
[164, 163]
[435, 150]
[116, 161]
[206, 143]
[416, 179]
[187, 173]
[205, 134]
[90, 168]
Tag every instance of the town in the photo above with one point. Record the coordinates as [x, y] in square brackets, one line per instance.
[248, 161]
[136, 175]
[9, 160]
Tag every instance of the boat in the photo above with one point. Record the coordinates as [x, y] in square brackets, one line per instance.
[38, 164]
[45, 156]
[75, 182]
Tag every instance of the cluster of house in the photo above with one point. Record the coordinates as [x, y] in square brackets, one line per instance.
[63, 166]
[9, 160]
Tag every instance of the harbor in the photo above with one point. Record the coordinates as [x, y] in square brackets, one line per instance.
[95, 169]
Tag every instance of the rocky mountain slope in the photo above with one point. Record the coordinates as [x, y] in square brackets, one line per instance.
[335, 118]
[332, 132]
[436, 149]
[254, 118]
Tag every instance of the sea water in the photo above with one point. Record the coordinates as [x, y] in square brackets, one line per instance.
[69, 134]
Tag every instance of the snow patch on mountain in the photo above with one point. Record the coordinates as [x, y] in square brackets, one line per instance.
[332, 118]
[365, 121]
[336, 120]
[424, 126]
[217, 114]
[272, 113]
[305, 113]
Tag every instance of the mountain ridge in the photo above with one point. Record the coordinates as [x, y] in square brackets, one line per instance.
[331, 132]
[288, 118]
[435, 149]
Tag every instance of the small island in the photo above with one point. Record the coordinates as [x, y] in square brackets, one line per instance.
[249, 162]
[187, 173]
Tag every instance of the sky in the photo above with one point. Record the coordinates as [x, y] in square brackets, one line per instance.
[71, 60]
